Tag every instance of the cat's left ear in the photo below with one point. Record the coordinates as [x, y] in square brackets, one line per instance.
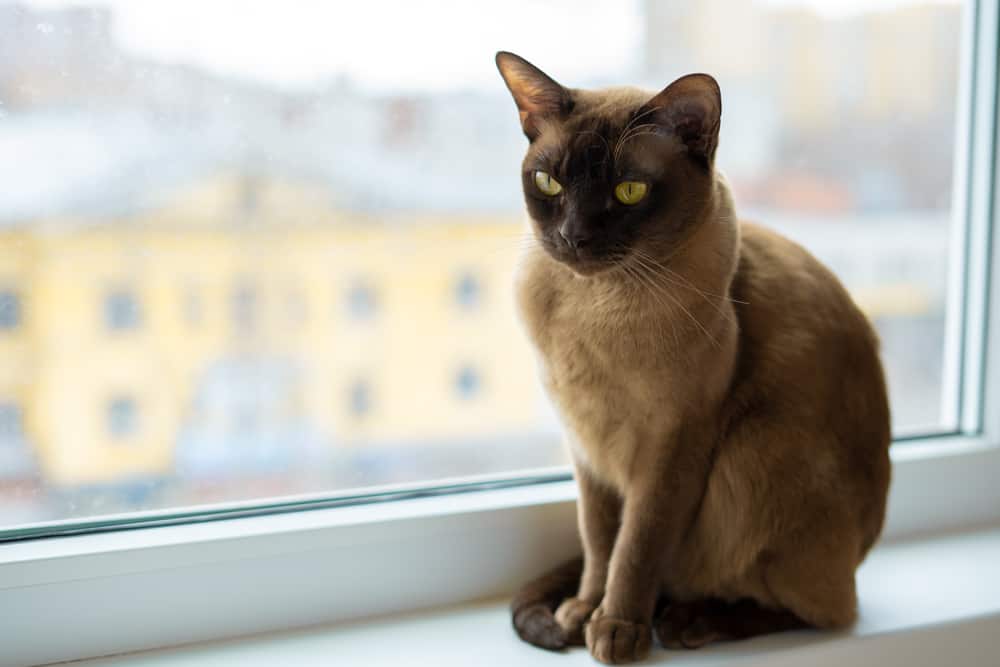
[690, 108]
[537, 96]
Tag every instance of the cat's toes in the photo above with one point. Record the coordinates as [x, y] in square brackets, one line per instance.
[699, 633]
[615, 641]
[687, 625]
[571, 616]
[670, 626]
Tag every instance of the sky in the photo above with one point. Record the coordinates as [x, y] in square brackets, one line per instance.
[380, 44]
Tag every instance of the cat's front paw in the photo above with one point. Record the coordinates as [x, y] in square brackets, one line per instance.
[616, 640]
[571, 616]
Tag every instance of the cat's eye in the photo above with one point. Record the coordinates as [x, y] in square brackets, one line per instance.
[546, 184]
[630, 192]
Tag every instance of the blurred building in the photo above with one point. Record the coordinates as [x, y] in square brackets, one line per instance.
[249, 323]
[864, 97]
[178, 301]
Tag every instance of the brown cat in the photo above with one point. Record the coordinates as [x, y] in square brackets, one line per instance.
[723, 399]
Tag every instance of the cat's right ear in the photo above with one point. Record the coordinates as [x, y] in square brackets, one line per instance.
[537, 96]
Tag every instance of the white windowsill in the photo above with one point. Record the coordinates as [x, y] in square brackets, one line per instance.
[111, 593]
[923, 602]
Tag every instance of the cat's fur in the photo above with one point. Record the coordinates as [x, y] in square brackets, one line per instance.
[723, 398]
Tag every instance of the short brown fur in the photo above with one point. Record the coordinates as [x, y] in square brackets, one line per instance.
[723, 399]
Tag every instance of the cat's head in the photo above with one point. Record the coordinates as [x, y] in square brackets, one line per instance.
[610, 173]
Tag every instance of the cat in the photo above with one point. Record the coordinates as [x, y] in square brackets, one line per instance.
[724, 404]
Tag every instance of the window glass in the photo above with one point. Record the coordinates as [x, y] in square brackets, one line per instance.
[121, 310]
[10, 309]
[347, 191]
[467, 382]
[10, 422]
[467, 290]
[122, 417]
[362, 300]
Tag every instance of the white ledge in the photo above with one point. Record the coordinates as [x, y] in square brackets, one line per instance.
[923, 602]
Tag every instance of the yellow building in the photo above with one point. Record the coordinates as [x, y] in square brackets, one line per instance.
[244, 320]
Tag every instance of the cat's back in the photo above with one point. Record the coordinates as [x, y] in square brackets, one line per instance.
[809, 370]
[790, 303]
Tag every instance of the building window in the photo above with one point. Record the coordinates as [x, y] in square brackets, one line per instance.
[360, 398]
[192, 306]
[10, 309]
[295, 306]
[121, 310]
[362, 301]
[122, 417]
[468, 291]
[11, 422]
[244, 307]
[468, 382]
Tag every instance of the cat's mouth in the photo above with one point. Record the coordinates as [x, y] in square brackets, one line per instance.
[584, 261]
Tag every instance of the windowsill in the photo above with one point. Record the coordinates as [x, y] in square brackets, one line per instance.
[924, 601]
[201, 582]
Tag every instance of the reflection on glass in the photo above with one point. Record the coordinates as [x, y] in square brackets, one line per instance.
[309, 238]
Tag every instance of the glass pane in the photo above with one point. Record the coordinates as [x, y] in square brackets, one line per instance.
[252, 250]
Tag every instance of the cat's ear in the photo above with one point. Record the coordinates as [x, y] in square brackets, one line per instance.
[537, 96]
[690, 108]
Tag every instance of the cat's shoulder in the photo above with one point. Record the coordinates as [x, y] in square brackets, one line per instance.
[767, 252]
[536, 287]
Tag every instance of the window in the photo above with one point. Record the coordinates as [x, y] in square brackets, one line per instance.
[467, 382]
[122, 417]
[360, 398]
[121, 310]
[10, 309]
[192, 307]
[242, 189]
[296, 309]
[244, 307]
[376, 163]
[468, 291]
[11, 429]
[362, 301]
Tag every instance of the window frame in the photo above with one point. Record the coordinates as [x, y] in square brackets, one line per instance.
[353, 557]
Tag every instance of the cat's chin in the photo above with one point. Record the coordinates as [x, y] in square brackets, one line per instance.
[587, 268]
[584, 266]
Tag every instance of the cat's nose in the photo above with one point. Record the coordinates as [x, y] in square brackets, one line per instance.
[575, 237]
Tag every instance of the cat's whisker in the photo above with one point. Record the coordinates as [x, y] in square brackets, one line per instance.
[638, 131]
[655, 292]
[641, 284]
[513, 244]
[666, 293]
[666, 273]
[684, 281]
[599, 136]
[628, 127]
[635, 119]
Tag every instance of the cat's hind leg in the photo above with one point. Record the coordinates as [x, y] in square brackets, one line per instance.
[809, 584]
[816, 581]
[693, 624]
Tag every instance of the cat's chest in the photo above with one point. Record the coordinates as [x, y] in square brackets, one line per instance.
[606, 375]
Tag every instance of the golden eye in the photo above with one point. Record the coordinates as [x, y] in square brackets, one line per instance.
[547, 184]
[630, 192]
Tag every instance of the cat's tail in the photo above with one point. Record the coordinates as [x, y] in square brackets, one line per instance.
[533, 608]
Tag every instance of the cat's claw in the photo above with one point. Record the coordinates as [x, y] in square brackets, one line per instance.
[571, 616]
[614, 641]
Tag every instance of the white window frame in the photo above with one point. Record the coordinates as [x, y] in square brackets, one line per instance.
[108, 592]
